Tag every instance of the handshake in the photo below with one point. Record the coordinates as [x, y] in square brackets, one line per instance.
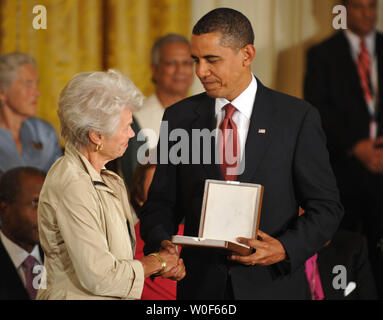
[165, 263]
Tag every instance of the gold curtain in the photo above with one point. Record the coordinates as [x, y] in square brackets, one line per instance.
[89, 35]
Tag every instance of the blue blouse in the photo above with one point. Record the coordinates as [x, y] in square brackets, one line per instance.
[39, 142]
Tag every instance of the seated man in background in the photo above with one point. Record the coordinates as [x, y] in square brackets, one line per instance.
[347, 251]
[19, 250]
[172, 74]
[24, 139]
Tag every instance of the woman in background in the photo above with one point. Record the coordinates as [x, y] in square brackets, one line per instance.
[86, 228]
[24, 139]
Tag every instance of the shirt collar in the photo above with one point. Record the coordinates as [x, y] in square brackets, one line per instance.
[72, 152]
[354, 41]
[243, 103]
[18, 254]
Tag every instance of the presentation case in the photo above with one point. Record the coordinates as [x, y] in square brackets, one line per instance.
[229, 210]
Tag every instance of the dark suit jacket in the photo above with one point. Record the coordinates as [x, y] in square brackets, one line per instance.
[332, 85]
[347, 249]
[11, 286]
[290, 161]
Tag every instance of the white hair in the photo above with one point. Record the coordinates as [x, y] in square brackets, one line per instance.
[94, 101]
[9, 66]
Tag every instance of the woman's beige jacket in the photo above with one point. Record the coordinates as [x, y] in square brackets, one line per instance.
[87, 233]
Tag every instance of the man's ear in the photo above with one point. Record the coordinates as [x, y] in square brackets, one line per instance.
[139, 201]
[154, 69]
[248, 52]
[95, 137]
[2, 97]
[3, 209]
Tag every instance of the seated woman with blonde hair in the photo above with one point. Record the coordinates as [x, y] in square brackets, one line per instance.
[86, 228]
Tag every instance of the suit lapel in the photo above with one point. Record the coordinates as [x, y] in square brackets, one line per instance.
[379, 54]
[205, 119]
[259, 135]
[348, 69]
[13, 287]
[257, 142]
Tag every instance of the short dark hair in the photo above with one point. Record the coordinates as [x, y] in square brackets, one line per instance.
[10, 182]
[236, 29]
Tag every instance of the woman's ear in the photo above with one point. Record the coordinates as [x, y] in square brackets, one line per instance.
[95, 137]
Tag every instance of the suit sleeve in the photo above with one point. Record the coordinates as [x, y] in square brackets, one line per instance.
[159, 216]
[364, 276]
[316, 192]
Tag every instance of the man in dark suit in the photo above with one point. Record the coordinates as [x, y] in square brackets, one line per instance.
[343, 81]
[281, 146]
[19, 250]
[349, 250]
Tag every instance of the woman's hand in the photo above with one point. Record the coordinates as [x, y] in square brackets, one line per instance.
[178, 271]
[174, 272]
[175, 268]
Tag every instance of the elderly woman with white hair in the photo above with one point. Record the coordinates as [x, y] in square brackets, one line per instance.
[85, 225]
[24, 139]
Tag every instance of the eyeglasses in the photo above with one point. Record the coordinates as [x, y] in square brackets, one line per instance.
[33, 204]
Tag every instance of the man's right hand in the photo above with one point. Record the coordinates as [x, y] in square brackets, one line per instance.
[369, 156]
[178, 272]
[169, 246]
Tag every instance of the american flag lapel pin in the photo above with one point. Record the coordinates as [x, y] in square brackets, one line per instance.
[262, 131]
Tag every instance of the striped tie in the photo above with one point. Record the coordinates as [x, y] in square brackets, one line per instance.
[229, 145]
[364, 70]
[28, 264]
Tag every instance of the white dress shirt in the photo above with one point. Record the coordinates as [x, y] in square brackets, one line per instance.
[244, 104]
[149, 119]
[370, 40]
[18, 255]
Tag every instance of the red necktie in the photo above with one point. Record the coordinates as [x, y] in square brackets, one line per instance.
[229, 145]
[29, 263]
[364, 70]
